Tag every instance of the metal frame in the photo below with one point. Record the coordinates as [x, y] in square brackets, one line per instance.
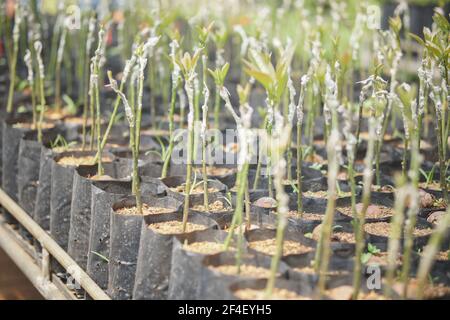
[37, 269]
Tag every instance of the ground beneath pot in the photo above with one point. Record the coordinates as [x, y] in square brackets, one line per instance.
[277, 294]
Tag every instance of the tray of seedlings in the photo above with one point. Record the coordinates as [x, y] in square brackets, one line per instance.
[227, 149]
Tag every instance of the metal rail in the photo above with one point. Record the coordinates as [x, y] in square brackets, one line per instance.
[41, 277]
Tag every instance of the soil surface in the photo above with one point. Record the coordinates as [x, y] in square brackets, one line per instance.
[196, 190]
[27, 125]
[205, 247]
[215, 207]
[268, 246]
[71, 161]
[175, 227]
[146, 210]
[383, 229]
[277, 294]
[216, 171]
[373, 211]
[245, 270]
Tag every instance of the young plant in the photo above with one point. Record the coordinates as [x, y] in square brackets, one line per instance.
[220, 37]
[408, 106]
[395, 234]
[95, 97]
[436, 97]
[90, 38]
[13, 64]
[274, 80]
[30, 78]
[429, 176]
[203, 138]
[59, 59]
[134, 117]
[322, 258]
[176, 80]
[219, 75]
[360, 217]
[246, 139]
[41, 78]
[187, 64]
[280, 141]
[299, 110]
[430, 251]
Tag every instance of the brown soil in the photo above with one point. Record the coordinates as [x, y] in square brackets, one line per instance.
[196, 190]
[324, 194]
[246, 270]
[315, 158]
[381, 259]
[101, 178]
[343, 175]
[430, 291]
[371, 295]
[343, 237]
[65, 149]
[52, 114]
[345, 293]
[205, 247]
[236, 229]
[373, 211]
[340, 293]
[26, 125]
[287, 182]
[216, 171]
[268, 247]
[155, 132]
[383, 229]
[305, 216]
[443, 256]
[309, 270]
[277, 294]
[379, 228]
[383, 189]
[266, 203]
[337, 236]
[434, 185]
[175, 227]
[146, 210]
[215, 207]
[71, 161]
[77, 120]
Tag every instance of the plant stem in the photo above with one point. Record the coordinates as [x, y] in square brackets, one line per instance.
[429, 253]
[188, 176]
[405, 158]
[12, 78]
[394, 238]
[111, 122]
[217, 107]
[322, 257]
[442, 168]
[165, 168]
[100, 170]
[42, 109]
[299, 169]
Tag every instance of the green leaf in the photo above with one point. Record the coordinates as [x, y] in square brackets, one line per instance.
[263, 78]
[365, 257]
[418, 39]
[373, 249]
[71, 106]
[101, 256]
